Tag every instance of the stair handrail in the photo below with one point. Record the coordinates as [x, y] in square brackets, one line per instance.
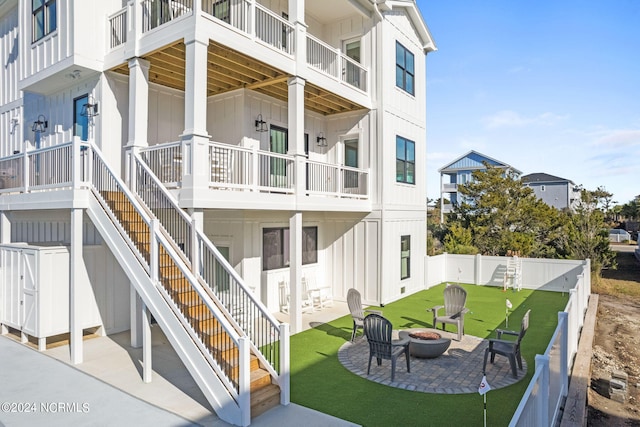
[160, 235]
[260, 344]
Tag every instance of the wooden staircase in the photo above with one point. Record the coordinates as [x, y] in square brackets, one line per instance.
[264, 394]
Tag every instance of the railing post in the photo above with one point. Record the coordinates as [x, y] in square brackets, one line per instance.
[195, 245]
[76, 174]
[563, 321]
[255, 167]
[252, 18]
[244, 381]
[542, 363]
[154, 253]
[25, 169]
[285, 365]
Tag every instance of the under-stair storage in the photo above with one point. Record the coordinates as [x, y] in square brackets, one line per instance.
[35, 292]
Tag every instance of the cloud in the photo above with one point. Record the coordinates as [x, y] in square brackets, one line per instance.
[517, 69]
[508, 118]
[619, 138]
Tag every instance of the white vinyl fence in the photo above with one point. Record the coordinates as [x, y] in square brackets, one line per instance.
[542, 401]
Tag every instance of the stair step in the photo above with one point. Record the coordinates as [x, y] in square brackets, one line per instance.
[260, 378]
[264, 399]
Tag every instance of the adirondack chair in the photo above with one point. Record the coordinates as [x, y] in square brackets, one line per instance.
[378, 331]
[357, 313]
[455, 298]
[508, 348]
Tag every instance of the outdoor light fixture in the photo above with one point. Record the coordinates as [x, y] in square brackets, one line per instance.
[40, 125]
[90, 109]
[261, 125]
[321, 140]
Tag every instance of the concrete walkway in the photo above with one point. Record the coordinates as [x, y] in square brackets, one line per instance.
[107, 388]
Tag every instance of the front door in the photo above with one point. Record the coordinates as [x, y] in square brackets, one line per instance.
[80, 121]
[351, 160]
[278, 143]
[352, 71]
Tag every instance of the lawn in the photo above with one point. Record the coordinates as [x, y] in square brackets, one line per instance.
[319, 381]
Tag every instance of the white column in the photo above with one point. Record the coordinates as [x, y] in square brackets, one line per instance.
[138, 102]
[295, 271]
[135, 316]
[296, 17]
[296, 133]
[5, 228]
[147, 372]
[75, 303]
[195, 139]
[138, 111]
[5, 237]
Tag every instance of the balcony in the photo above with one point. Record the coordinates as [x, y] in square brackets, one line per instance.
[449, 188]
[253, 20]
[241, 169]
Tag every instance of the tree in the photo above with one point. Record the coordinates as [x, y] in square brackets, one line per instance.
[588, 235]
[631, 210]
[502, 215]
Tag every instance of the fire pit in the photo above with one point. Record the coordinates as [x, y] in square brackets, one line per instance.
[426, 343]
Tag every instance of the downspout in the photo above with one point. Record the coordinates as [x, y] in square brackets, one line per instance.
[380, 145]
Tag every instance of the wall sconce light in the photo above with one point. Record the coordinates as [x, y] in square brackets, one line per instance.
[321, 140]
[90, 109]
[261, 125]
[40, 125]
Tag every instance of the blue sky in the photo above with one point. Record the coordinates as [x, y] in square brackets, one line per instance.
[547, 86]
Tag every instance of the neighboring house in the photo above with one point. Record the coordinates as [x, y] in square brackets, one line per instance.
[459, 172]
[557, 192]
[195, 160]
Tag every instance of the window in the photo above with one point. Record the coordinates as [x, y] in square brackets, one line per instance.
[275, 247]
[404, 69]
[405, 257]
[405, 160]
[44, 18]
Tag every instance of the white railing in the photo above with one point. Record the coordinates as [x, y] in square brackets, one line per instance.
[323, 178]
[171, 238]
[247, 313]
[322, 56]
[40, 169]
[156, 13]
[237, 13]
[247, 169]
[334, 63]
[165, 161]
[118, 28]
[449, 187]
[274, 30]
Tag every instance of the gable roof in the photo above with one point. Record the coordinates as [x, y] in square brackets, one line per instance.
[540, 177]
[474, 161]
[428, 45]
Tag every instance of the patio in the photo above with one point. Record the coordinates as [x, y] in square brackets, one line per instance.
[457, 371]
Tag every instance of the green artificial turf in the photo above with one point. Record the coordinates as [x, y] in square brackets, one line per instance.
[319, 381]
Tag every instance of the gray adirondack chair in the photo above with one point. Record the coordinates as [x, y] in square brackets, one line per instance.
[508, 348]
[455, 298]
[357, 313]
[381, 345]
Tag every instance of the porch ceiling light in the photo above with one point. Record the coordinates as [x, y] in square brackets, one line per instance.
[261, 125]
[321, 140]
[40, 125]
[90, 109]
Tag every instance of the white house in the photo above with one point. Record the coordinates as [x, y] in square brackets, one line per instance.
[194, 160]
